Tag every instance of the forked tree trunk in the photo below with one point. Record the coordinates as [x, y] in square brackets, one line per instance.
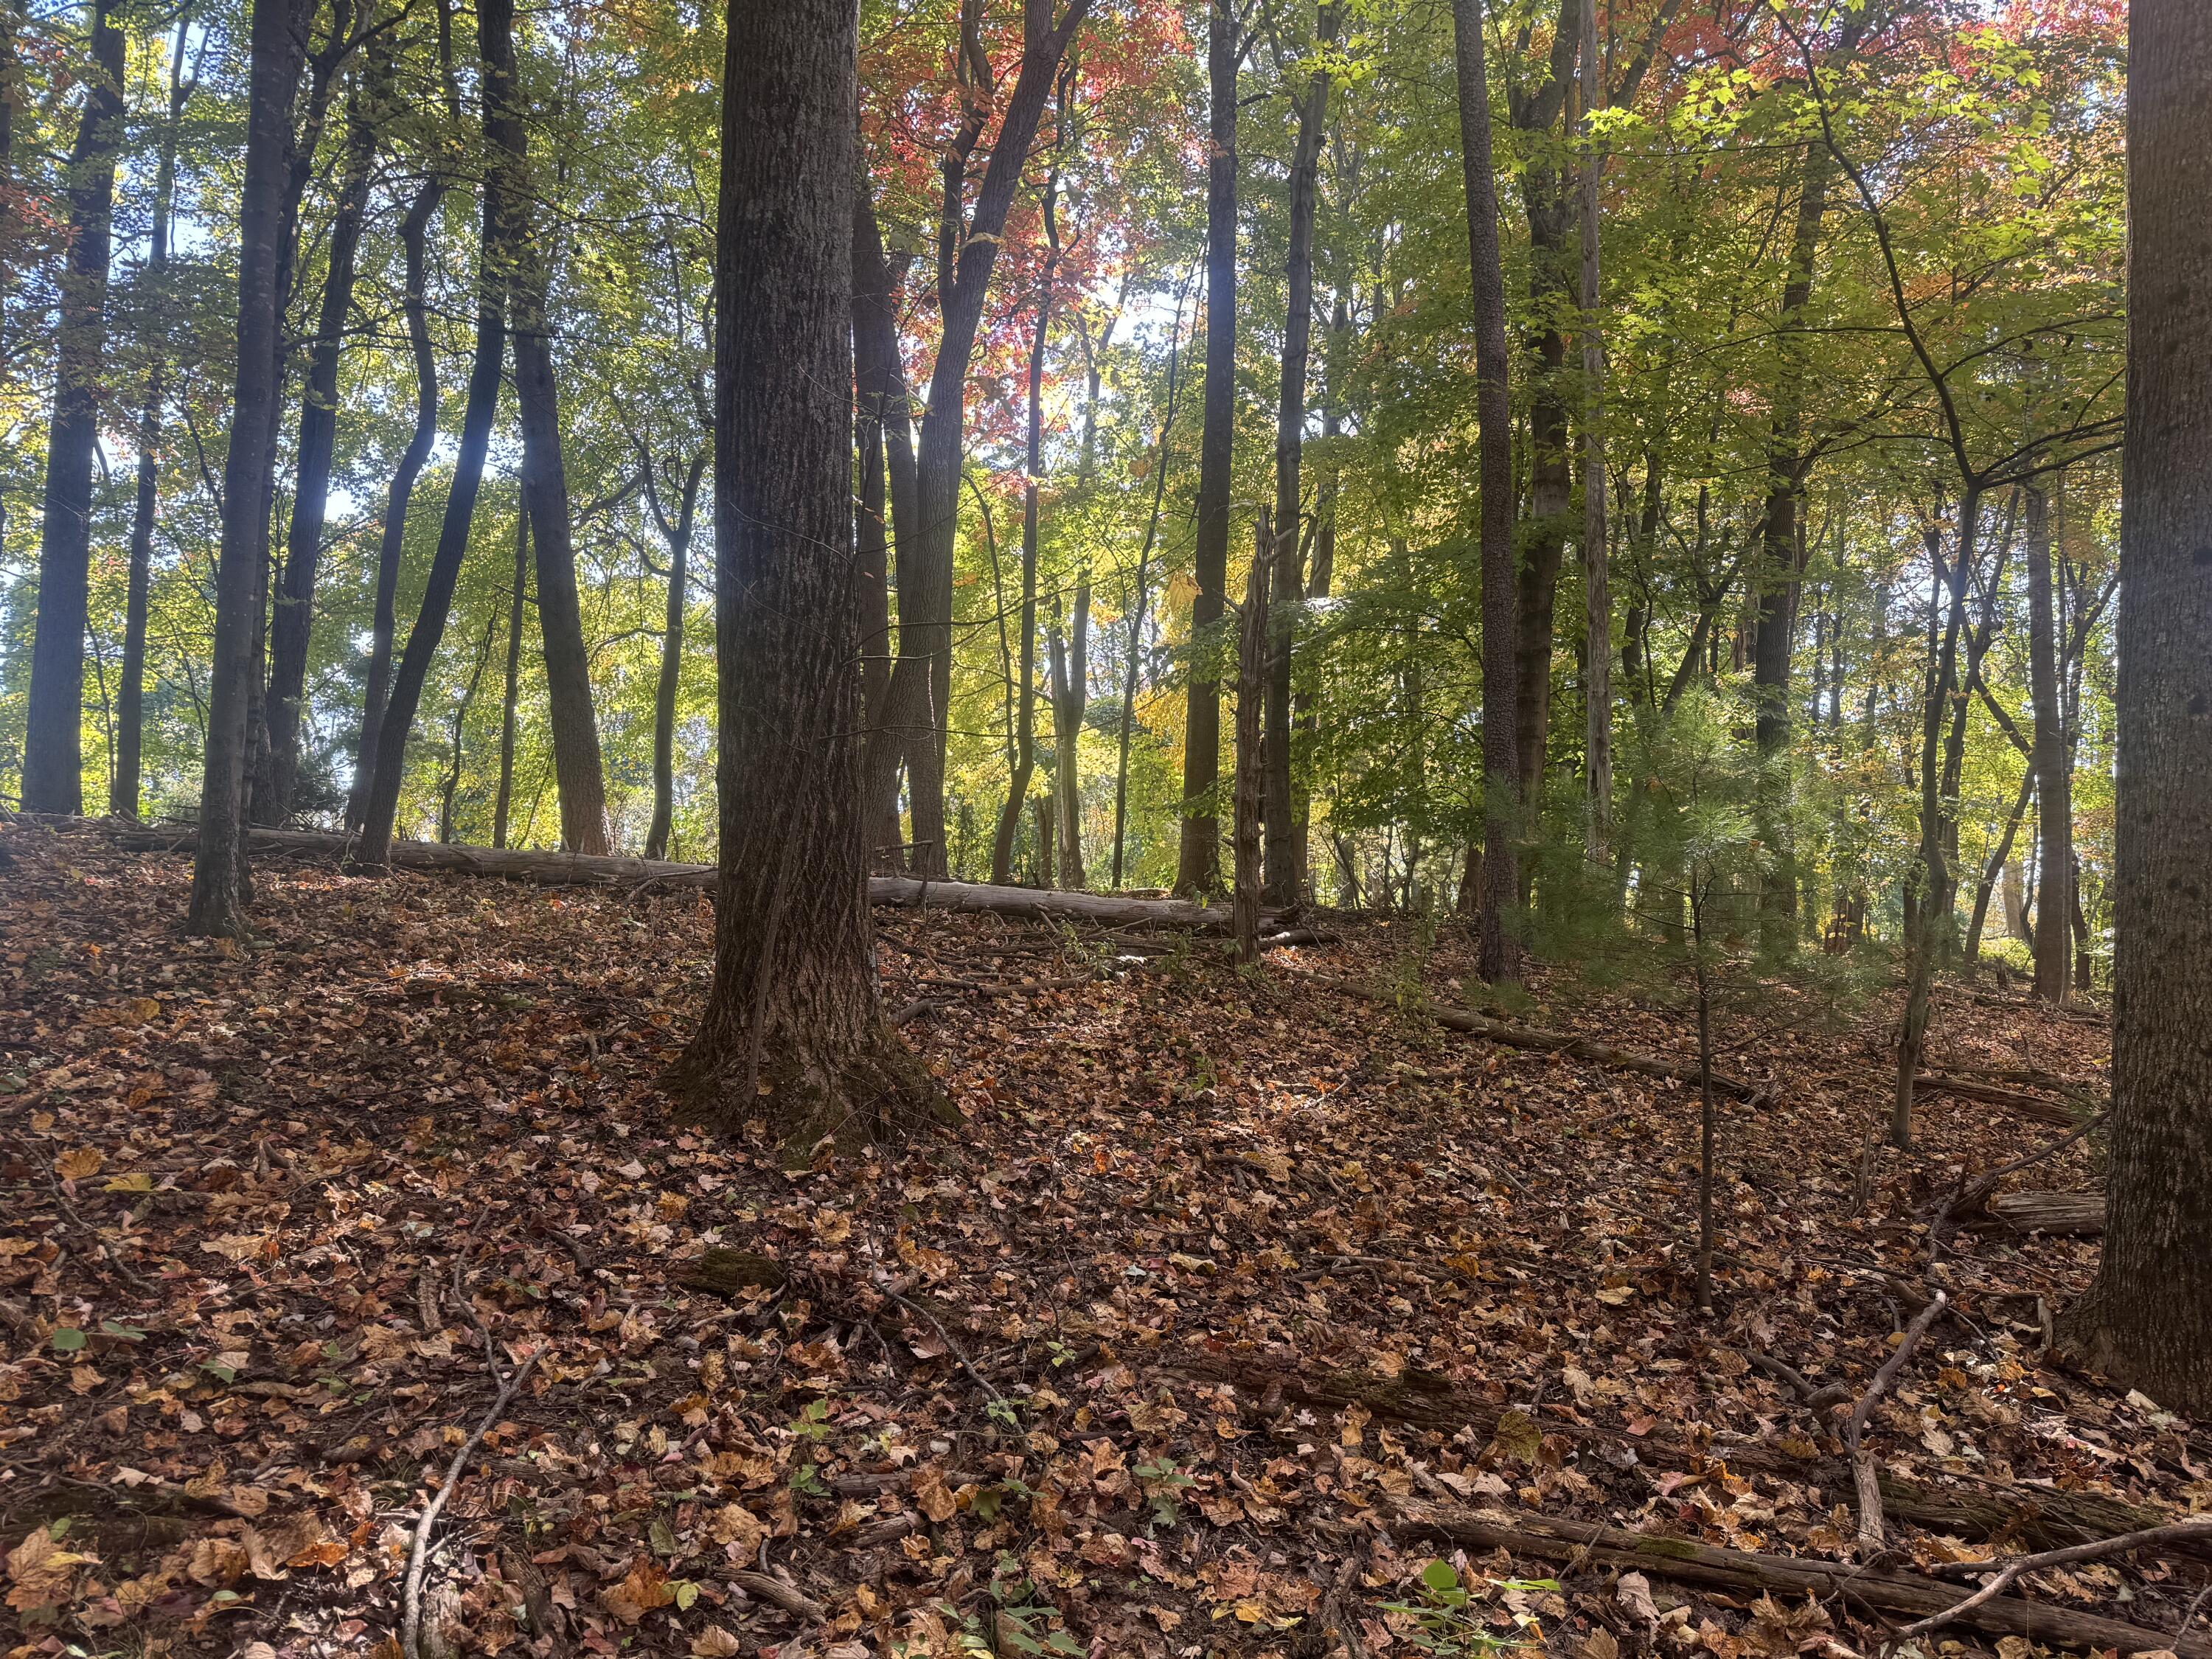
[570, 719]
[794, 1032]
[275, 780]
[2147, 1320]
[381, 808]
[2054, 788]
[1285, 854]
[218, 899]
[1499, 948]
[53, 755]
[1198, 863]
[392, 545]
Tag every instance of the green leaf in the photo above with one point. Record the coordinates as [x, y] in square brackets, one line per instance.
[1439, 1577]
[67, 1338]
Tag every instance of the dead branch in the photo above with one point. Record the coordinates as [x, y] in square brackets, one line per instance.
[1865, 1472]
[2149, 1538]
[418, 1556]
[774, 1591]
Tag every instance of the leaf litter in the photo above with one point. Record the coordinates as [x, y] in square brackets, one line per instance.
[1218, 1270]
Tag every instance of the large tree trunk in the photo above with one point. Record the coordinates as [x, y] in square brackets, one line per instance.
[570, 719]
[921, 682]
[1499, 949]
[2053, 784]
[2147, 1319]
[276, 779]
[130, 696]
[672, 651]
[414, 232]
[53, 755]
[1198, 863]
[794, 1009]
[503, 802]
[1285, 853]
[381, 808]
[218, 899]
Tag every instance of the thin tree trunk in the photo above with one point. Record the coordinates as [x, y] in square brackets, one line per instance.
[672, 652]
[53, 730]
[570, 719]
[503, 802]
[131, 716]
[1251, 769]
[1198, 864]
[1996, 866]
[1499, 950]
[218, 897]
[391, 546]
[1142, 594]
[1024, 687]
[446, 828]
[381, 808]
[2054, 788]
[1597, 589]
[793, 1033]
[886, 417]
[1322, 571]
[275, 781]
[2147, 1320]
[1070, 689]
[1285, 860]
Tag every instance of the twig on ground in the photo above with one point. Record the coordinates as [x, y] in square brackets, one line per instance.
[952, 1346]
[137, 1280]
[2148, 1537]
[761, 1588]
[418, 1558]
[1865, 1474]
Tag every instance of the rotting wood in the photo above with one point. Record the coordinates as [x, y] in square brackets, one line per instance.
[2079, 1214]
[580, 870]
[1580, 1543]
[1569, 1043]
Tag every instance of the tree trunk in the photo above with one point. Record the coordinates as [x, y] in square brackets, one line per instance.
[672, 652]
[570, 719]
[1284, 856]
[2054, 788]
[131, 715]
[277, 778]
[1499, 950]
[1597, 590]
[446, 827]
[1251, 769]
[793, 1030]
[968, 250]
[53, 754]
[1018, 789]
[1774, 589]
[1198, 864]
[391, 546]
[218, 898]
[1071, 698]
[381, 808]
[886, 417]
[1998, 864]
[2147, 1320]
[503, 803]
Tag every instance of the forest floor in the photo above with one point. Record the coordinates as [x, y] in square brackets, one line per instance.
[1148, 1357]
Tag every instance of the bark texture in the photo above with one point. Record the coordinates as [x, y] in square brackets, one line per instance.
[53, 756]
[793, 1010]
[2147, 1319]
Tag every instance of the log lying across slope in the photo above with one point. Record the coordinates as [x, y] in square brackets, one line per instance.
[581, 870]
[1589, 1543]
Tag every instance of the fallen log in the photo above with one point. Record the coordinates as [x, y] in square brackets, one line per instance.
[1587, 1542]
[2038, 1106]
[583, 870]
[2080, 1214]
[1569, 1043]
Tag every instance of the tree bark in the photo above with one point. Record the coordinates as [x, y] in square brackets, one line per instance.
[1285, 854]
[793, 1030]
[1071, 698]
[1499, 948]
[381, 808]
[2053, 782]
[570, 719]
[53, 754]
[391, 546]
[503, 803]
[1597, 589]
[887, 509]
[275, 781]
[130, 696]
[2148, 1318]
[1251, 766]
[1198, 862]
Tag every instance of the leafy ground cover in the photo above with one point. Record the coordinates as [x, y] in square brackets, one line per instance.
[1218, 1275]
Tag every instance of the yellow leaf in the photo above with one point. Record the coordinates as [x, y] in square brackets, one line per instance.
[137, 1181]
[77, 1164]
